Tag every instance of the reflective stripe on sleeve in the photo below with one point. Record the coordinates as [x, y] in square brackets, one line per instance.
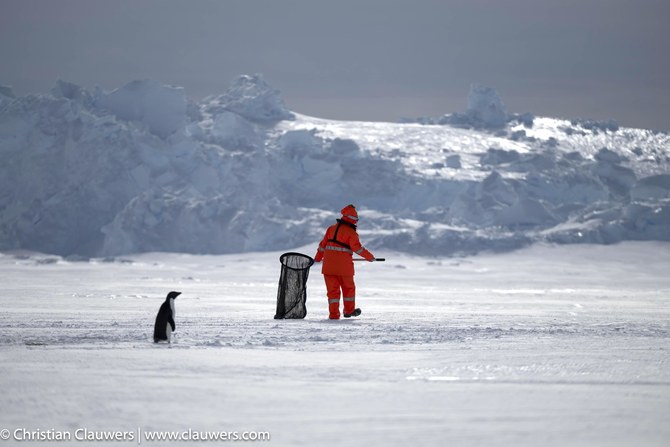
[360, 251]
[321, 249]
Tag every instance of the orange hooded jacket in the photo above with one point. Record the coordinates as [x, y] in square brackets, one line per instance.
[338, 245]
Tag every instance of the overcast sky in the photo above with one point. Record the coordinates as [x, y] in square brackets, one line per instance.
[359, 59]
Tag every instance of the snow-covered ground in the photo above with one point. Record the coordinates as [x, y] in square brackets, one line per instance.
[548, 346]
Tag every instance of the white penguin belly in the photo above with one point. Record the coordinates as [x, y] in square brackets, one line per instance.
[168, 330]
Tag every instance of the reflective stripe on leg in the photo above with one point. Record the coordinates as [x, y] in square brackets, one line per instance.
[349, 305]
[348, 286]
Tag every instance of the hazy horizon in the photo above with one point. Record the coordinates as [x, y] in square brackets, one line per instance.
[358, 60]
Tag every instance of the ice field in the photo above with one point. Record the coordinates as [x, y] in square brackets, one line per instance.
[549, 346]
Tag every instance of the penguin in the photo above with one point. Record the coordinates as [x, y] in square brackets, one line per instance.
[164, 325]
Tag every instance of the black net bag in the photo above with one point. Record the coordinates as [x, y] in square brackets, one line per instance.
[292, 293]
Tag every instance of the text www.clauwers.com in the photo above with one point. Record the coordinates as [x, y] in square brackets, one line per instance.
[195, 435]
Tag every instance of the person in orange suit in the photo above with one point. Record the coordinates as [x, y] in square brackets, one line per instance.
[336, 249]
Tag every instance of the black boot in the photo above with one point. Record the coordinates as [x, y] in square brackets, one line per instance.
[356, 313]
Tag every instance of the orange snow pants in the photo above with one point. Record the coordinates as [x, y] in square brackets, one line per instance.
[335, 283]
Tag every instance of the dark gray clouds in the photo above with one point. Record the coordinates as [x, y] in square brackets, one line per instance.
[359, 59]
